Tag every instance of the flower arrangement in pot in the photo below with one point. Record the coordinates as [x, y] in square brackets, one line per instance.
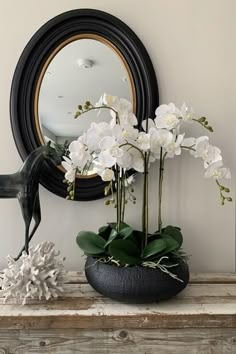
[122, 263]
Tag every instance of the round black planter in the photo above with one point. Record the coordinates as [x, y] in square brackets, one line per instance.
[135, 284]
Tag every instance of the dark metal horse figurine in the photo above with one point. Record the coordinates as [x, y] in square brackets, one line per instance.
[24, 185]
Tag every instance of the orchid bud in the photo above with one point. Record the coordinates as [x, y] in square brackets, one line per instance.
[227, 190]
[202, 119]
[229, 199]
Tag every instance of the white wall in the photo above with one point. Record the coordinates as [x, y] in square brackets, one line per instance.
[192, 47]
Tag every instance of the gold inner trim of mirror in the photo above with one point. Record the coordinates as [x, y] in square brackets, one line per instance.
[48, 61]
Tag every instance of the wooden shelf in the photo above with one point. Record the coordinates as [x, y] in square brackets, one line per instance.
[201, 319]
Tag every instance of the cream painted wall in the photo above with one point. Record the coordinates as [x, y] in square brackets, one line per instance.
[192, 47]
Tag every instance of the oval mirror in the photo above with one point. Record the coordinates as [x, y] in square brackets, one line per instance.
[85, 68]
[77, 56]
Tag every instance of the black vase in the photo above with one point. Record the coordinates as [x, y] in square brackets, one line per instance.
[135, 284]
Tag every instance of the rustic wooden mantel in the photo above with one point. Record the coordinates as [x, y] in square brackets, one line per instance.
[200, 320]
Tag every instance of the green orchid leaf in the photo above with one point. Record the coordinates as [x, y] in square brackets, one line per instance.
[113, 225]
[175, 233]
[125, 230]
[105, 231]
[90, 242]
[102, 229]
[125, 251]
[154, 247]
[113, 235]
[139, 237]
[171, 243]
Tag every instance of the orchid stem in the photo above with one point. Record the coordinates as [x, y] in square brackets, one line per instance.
[118, 199]
[161, 175]
[123, 196]
[145, 200]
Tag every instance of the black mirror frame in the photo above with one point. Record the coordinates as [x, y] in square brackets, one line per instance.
[28, 70]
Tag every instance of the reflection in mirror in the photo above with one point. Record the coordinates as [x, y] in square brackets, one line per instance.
[82, 70]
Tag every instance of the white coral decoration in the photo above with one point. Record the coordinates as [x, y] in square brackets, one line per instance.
[35, 275]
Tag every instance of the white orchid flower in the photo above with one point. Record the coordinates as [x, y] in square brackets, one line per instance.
[186, 113]
[106, 100]
[137, 160]
[167, 121]
[106, 159]
[79, 154]
[123, 108]
[207, 152]
[70, 175]
[107, 142]
[201, 145]
[122, 105]
[166, 109]
[160, 138]
[143, 141]
[107, 175]
[125, 118]
[129, 132]
[167, 116]
[95, 133]
[126, 133]
[212, 154]
[217, 171]
[125, 161]
[174, 148]
[112, 153]
[70, 169]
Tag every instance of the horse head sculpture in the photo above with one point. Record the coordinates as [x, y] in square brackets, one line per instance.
[24, 185]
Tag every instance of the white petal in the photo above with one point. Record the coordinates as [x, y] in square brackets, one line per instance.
[132, 120]
[66, 166]
[189, 142]
[148, 122]
[107, 142]
[106, 159]
[107, 175]
[70, 175]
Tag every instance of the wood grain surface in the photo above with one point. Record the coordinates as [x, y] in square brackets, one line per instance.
[200, 320]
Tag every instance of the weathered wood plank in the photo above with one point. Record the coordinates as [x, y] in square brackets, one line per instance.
[196, 292]
[103, 321]
[74, 277]
[199, 305]
[142, 341]
[213, 278]
[210, 278]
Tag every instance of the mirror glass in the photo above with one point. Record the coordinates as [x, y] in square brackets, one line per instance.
[82, 70]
